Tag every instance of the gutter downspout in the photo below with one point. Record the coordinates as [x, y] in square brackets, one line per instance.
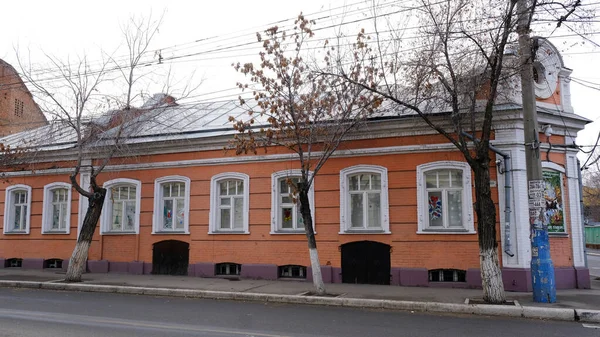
[581, 205]
[507, 193]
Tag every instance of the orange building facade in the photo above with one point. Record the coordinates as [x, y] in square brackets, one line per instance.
[393, 205]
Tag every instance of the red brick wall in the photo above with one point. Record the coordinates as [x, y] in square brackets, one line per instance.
[11, 88]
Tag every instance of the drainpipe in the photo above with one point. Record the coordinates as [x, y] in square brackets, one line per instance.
[580, 178]
[507, 193]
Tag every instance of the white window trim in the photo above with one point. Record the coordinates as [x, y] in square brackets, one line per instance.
[345, 200]
[467, 195]
[105, 217]
[157, 216]
[7, 202]
[275, 177]
[47, 210]
[213, 227]
[550, 166]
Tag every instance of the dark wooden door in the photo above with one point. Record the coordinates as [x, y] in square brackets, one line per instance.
[170, 257]
[366, 262]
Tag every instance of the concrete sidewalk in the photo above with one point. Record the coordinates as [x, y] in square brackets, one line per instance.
[392, 297]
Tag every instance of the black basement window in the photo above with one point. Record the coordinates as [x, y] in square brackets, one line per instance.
[228, 268]
[13, 263]
[292, 271]
[53, 263]
[447, 275]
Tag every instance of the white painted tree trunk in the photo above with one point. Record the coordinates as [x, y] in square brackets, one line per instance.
[78, 261]
[316, 271]
[491, 276]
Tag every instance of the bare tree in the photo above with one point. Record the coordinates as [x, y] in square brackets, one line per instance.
[451, 74]
[83, 109]
[299, 110]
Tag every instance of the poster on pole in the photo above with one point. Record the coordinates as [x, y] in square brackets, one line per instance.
[554, 202]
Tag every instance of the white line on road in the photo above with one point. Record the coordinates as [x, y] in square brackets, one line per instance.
[115, 322]
[591, 326]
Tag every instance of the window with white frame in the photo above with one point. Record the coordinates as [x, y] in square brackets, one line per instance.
[444, 198]
[364, 199]
[285, 203]
[171, 204]
[17, 209]
[56, 217]
[229, 204]
[121, 213]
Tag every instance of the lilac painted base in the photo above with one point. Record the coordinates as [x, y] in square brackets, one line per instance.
[326, 272]
[65, 265]
[118, 267]
[259, 271]
[473, 278]
[2, 263]
[98, 266]
[147, 268]
[582, 276]
[564, 278]
[204, 270]
[336, 275]
[33, 264]
[414, 277]
[395, 279]
[517, 279]
[136, 268]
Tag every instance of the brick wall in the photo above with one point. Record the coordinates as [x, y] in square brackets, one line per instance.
[409, 249]
[11, 89]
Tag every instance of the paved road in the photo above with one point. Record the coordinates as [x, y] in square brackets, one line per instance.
[46, 313]
[593, 258]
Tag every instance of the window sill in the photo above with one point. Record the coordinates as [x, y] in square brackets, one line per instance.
[558, 235]
[228, 232]
[16, 233]
[118, 233]
[365, 231]
[296, 232]
[51, 232]
[446, 231]
[171, 232]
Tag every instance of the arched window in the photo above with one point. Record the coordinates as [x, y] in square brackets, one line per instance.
[229, 203]
[121, 212]
[172, 205]
[285, 206]
[364, 199]
[56, 214]
[444, 198]
[17, 209]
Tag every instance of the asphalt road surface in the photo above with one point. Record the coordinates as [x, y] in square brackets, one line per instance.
[47, 313]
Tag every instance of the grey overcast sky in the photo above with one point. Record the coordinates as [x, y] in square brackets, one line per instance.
[203, 28]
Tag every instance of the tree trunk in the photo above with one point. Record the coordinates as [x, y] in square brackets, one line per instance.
[312, 243]
[491, 274]
[78, 261]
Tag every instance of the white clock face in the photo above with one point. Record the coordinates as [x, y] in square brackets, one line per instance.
[546, 66]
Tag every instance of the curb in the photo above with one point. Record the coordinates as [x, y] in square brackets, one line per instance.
[560, 314]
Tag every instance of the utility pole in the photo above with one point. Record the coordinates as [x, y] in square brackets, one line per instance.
[542, 268]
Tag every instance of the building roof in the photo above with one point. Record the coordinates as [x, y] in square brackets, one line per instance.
[168, 121]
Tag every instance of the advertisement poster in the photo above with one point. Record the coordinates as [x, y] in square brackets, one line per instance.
[554, 202]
